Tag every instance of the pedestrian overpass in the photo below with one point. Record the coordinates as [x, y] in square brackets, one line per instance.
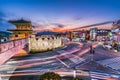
[10, 48]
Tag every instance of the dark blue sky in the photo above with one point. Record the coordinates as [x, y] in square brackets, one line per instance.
[52, 14]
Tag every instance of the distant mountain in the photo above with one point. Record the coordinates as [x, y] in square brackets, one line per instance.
[45, 33]
[5, 33]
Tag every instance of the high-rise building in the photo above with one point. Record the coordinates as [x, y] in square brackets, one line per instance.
[23, 29]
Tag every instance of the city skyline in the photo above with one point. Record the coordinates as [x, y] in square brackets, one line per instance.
[58, 15]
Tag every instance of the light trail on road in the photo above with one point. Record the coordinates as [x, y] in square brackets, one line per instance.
[95, 75]
[51, 60]
[34, 72]
[23, 64]
[52, 57]
[44, 60]
[41, 61]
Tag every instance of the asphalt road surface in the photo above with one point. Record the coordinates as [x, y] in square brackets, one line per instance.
[64, 61]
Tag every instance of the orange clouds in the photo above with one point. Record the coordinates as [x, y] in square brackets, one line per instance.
[57, 27]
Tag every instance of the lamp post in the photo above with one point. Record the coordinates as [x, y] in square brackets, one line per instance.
[74, 74]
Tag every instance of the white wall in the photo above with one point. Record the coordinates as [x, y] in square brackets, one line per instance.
[36, 45]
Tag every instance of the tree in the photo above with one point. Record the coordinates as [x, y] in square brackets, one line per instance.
[49, 76]
[75, 79]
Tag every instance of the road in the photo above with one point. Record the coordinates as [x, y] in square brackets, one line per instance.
[74, 55]
[97, 61]
[42, 62]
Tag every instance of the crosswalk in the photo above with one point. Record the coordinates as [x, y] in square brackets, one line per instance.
[103, 76]
[75, 59]
[113, 63]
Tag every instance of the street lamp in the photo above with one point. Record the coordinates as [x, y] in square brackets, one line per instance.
[74, 74]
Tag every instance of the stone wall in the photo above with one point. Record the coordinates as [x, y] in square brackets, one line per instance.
[4, 46]
[38, 44]
[10, 48]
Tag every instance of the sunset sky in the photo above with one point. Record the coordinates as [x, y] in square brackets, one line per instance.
[58, 14]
